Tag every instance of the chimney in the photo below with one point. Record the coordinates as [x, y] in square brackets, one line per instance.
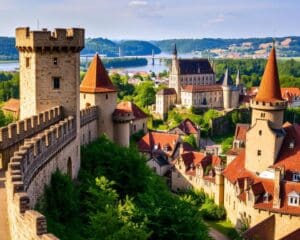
[181, 149]
[276, 193]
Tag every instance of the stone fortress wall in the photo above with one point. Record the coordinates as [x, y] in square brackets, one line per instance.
[30, 169]
[13, 135]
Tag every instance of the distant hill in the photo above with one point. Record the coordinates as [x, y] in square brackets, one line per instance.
[217, 47]
[7, 48]
[286, 46]
[111, 49]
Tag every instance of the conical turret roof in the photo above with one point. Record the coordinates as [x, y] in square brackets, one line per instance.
[269, 89]
[96, 79]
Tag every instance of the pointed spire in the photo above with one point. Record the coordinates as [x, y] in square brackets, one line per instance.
[226, 78]
[175, 50]
[269, 89]
[96, 79]
[238, 79]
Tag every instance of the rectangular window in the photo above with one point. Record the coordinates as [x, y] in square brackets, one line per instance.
[27, 62]
[56, 82]
[262, 115]
[55, 61]
[258, 152]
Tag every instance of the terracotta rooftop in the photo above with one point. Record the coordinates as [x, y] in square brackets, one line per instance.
[269, 89]
[130, 107]
[290, 93]
[96, 79]
[158, 141]
[201, 88]
[188, 126]
[12, 105]
[240, 131]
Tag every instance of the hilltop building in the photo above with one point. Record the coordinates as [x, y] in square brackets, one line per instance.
[57, 116]
[192, 83]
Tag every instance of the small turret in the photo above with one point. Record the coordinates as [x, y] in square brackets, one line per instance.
[175, 51]
[226, 90]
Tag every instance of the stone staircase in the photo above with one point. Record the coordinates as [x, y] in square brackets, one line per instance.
[4, 228]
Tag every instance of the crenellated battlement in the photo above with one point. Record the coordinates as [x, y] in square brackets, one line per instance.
[61, 39]
[31, 158]
[38, 150]
[18, 131]
[88, 114]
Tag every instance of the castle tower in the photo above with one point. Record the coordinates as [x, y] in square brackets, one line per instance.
[97, 89]
[265, 137]
[226, 91]
[49, 70]
[174, 80]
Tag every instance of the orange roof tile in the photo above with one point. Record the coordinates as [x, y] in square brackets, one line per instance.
[188, 126]
[96, 79]
[269, 89]
[240, 131]
[12, 105]
[158, 139]
[130, 107]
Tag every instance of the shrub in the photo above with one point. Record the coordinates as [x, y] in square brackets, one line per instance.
[211, 211]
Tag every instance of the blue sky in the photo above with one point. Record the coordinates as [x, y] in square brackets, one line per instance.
[156, 19]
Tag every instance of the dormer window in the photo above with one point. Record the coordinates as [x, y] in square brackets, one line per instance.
[266, 197]
[296, 177]
[292, 145]
[293, 198]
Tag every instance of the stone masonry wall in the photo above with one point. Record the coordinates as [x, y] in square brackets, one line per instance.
[30, 170]
[13, 135]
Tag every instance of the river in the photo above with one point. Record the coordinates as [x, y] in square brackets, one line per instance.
[158, 67]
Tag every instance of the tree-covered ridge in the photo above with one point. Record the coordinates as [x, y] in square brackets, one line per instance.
[111, 49]
[118, 197]
[191, 45]
[7, 48]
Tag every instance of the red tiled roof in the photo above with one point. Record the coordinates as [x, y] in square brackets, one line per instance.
[269, 89]
[160, 139]
[289, 93]
[96, 79]
[201, 88]
[236, 169]
[240, 131]
[130, 107]
[288, 157]
[12, 105]
[188, 127]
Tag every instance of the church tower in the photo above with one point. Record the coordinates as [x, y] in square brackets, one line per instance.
[174, 79]
[97, 89]
[226, 90]
[49, 70]
[265, 137]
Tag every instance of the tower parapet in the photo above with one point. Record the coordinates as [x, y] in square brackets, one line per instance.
[71, 39]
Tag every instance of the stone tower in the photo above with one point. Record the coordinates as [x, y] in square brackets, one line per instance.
[219, 190]
[265, 137]
[97, 89]
[49, 70]
[226, 91]
[174, 81]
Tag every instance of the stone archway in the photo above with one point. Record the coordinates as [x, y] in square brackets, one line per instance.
[69, 168]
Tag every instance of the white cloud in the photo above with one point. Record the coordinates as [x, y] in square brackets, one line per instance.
[136, 3]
